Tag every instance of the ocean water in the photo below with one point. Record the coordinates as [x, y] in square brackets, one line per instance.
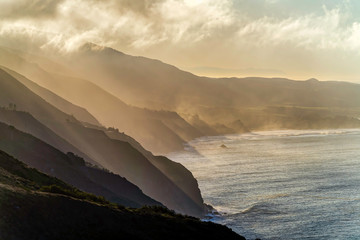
[281, 184]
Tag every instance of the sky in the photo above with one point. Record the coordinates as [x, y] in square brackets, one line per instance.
[298, 39]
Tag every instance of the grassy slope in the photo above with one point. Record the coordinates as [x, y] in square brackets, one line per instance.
[27, 212]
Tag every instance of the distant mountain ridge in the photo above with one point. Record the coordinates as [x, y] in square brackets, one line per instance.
[159, 131]
[219, 102]
[94, 98]
[211, 105]
[120, 72]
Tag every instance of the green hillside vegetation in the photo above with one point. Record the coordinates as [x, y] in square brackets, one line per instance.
[36, 206]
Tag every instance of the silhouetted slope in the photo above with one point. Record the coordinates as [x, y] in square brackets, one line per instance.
[176, 172]
[15, 173]
[212, 106]
[181, 176]
[27, 123]
[122, 158]
[70, 168]
[158, 131]
[36, 206]
[14, 92]
[117, 156]
[78, 112]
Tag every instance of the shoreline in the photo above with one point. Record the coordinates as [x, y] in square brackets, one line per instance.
[272, 175]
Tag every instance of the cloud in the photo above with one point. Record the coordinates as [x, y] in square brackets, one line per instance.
[14, 9]
[141, 24]
[271, 1]
[307, 31]
[219, 29]
[132, 23]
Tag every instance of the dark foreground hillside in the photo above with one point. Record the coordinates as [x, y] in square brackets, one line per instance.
[36, 206]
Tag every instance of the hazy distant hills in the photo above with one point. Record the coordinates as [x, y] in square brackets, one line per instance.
[78, 112]
[117, 156]
[115, 110]
[152, 83]
[159, 131]
[36, 206]
[221, 102]
[142, 81]
[198, 105]
[231, 72]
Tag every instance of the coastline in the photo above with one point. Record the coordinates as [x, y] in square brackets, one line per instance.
[264, 183]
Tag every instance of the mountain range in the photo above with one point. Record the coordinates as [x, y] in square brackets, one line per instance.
[51, 125]
[164, 107]
[88, 129]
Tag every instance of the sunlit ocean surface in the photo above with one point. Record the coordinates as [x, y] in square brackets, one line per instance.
[281, 184]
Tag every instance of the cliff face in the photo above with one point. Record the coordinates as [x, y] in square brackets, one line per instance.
[176, 172]
[122, 158]
[36, 206]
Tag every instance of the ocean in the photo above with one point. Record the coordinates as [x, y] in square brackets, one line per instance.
[288, 184]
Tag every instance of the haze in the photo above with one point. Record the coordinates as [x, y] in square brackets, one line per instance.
[293, 39]
[99, 93]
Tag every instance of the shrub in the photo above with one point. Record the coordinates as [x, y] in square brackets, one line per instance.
[75, 194]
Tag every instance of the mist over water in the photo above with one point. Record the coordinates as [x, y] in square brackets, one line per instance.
[281, 184]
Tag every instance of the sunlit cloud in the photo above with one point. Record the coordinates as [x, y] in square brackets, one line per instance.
[13, 9]
[153, 27]
[117, 22]
[310, 31]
